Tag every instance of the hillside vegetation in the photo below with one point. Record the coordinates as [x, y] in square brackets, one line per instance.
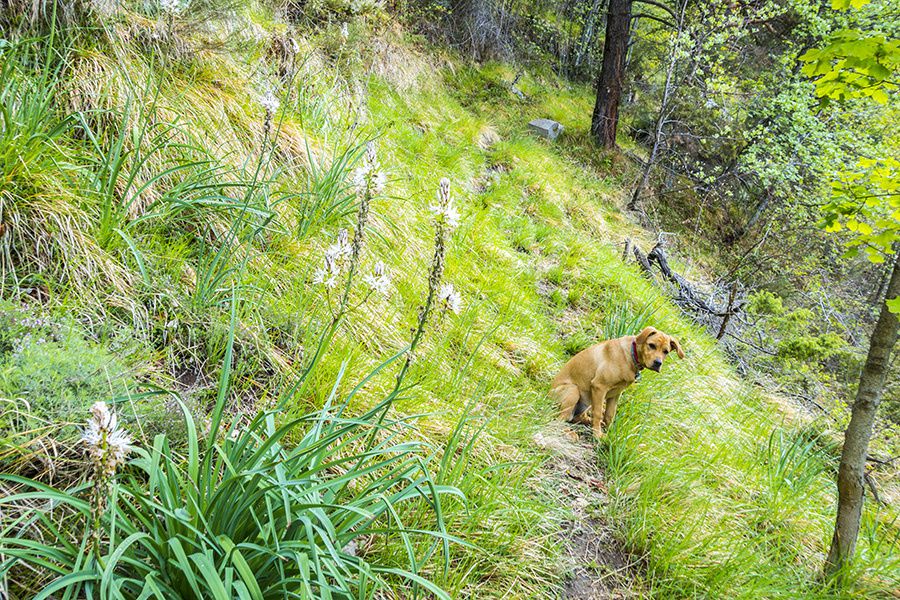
[170, 184]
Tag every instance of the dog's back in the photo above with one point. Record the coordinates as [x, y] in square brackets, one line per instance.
[579, 369]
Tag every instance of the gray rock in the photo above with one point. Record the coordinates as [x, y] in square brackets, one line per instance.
[546, 128]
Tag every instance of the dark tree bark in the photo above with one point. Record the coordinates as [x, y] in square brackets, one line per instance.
[729, 312]
[852, 472]
[641, 258]
[605, 119]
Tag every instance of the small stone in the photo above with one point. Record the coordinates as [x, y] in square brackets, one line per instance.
[546, 128]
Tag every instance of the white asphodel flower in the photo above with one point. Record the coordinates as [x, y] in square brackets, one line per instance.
[339, 250]
[107, 444]
[450, 298]
[444, 191]
[360, 178]
[270, 102]
[331, 282]
[368, 177]
[335, 256]
[172, 7]
[451, 215]
[444, 210]
[380, 280]
[327, 275]
[446, 214]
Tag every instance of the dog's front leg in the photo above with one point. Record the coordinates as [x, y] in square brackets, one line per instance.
[610, 412]
[598, 407]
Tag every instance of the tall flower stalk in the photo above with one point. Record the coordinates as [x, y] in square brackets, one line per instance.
[107, 447]
[369, 181]
[446, 219]
[270, 104]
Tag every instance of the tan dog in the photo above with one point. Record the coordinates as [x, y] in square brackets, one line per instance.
[594, 378]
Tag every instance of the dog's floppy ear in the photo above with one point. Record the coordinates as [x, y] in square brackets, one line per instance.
[644, 335]
[677, 346]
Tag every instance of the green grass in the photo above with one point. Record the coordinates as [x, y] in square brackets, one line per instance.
[721, 494]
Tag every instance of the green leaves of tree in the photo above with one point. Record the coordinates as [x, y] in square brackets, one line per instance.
[853, 64]
[866, 202]
[845, 4]
[866, 199]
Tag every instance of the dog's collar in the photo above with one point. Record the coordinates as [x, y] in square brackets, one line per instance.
[634, 357]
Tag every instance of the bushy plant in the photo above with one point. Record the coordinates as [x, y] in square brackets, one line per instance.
[47, 364]
[271, 508]
[245, 516]
[810, 347]
[764, 302]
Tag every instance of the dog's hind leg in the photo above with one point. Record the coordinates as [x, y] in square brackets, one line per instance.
[567, 395]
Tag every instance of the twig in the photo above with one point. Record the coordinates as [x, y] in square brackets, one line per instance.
[751, 344]
[887, 461]
[870, 482]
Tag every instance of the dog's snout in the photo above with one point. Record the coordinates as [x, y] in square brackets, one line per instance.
[657, 364]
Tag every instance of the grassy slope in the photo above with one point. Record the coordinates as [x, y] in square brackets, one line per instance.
[713, 482]
[720, 494]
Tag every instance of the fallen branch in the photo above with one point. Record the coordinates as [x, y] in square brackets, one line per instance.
[641, 259]
[687, 294]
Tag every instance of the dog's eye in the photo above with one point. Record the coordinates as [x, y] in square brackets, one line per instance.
[653, 346]
[665, 351]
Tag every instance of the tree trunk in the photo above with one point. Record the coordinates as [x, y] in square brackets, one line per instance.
[609, 84]
[729, 312]
[851, 476]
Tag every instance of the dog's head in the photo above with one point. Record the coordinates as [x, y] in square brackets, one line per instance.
[653, 346]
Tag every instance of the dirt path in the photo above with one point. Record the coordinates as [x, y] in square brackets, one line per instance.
[599, 565]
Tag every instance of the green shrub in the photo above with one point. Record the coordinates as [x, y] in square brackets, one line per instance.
[810, 347]
[48, 365]
[765, 302]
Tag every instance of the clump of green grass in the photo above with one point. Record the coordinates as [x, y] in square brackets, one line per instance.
[44, 230]
[244, 516]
